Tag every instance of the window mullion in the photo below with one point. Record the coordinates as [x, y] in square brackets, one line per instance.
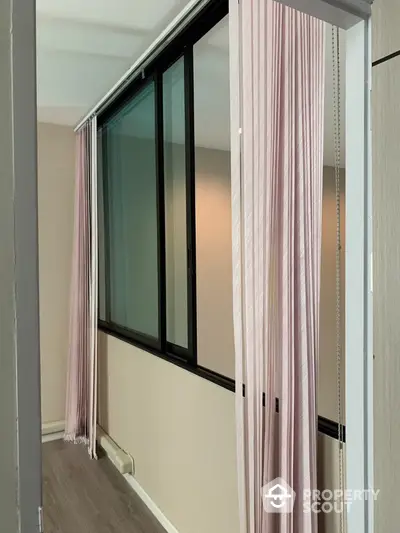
[106, 217]
[160, 210]
[190, 203]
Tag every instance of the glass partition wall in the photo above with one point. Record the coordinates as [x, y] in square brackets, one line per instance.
[130, 205]
[166, 267]
[155, 142]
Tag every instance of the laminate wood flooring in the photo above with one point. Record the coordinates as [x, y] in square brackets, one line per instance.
[81, 495]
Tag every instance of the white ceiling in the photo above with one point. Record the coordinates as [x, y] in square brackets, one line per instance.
[83, 48]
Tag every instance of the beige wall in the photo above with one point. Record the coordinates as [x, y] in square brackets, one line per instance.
[180, 431]
[328, 478]
[386, 226]
[56, 162]
[214, 261]
[385, 28]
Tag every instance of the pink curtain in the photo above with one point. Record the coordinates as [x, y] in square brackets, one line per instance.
[82, 361]
[277, 90]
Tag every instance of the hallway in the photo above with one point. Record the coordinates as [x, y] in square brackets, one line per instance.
[83, 495]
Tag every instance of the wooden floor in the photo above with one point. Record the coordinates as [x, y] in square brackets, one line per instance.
[81, 495]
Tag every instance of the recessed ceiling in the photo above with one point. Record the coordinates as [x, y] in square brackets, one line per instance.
[84, 48]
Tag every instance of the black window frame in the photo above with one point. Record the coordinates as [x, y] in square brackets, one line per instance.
[180, 46]
[141, 338]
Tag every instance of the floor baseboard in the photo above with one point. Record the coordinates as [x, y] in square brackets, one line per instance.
[121, 460]
[124, 464]
[52, 436]
[53, 431]
[146, 499]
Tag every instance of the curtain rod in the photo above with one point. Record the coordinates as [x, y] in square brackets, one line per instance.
[165, 37]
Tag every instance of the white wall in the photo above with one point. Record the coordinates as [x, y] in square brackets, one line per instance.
[56, 171]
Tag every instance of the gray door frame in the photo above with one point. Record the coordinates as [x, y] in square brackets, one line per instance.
[19, 294]
[27, 263]
[20, 460]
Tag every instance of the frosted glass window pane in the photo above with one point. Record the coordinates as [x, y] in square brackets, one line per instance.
[215, 348]
[175, 204]
[131, 180]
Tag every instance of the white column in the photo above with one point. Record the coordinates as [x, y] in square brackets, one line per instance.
[20, 464]
[359, 356]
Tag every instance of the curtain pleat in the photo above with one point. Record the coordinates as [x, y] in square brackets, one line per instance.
[81, 400]
[277, 90]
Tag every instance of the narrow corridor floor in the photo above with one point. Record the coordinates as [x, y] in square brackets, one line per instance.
[81, 495]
